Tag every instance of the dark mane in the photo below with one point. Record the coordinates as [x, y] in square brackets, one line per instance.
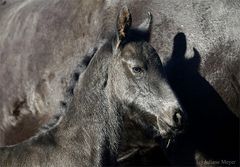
[74, 78]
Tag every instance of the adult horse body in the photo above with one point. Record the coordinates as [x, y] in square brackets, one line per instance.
[40, 44]
[125, 75]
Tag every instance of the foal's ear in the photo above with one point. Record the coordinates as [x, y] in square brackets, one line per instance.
[146, 25]
[124, 22]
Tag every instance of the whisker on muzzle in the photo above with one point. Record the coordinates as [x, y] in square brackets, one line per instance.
[168, 144]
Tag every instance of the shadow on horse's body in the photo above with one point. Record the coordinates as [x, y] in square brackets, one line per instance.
[213, 131]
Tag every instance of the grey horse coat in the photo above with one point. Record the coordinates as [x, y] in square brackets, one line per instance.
[205, 79]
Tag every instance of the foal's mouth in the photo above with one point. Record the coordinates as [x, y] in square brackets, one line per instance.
[167, 135]
[167, 130]
[165, 143]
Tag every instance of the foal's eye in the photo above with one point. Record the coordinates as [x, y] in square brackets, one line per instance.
[137, 69]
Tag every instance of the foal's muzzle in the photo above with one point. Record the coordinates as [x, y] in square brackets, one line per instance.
[171, 123]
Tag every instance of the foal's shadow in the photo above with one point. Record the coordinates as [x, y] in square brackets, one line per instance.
[212, 129]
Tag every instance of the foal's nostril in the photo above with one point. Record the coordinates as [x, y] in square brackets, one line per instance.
[177, 118]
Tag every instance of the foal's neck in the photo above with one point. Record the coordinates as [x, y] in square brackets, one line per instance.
[91, 122]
